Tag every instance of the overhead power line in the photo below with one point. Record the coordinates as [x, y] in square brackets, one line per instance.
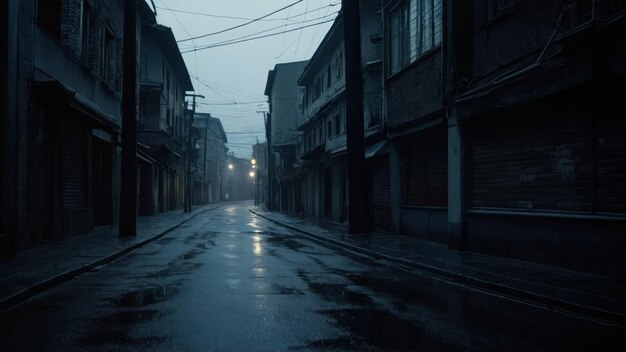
[210, 46]
[268, 30]
[241, 25]
[245, 18]
[232, 102]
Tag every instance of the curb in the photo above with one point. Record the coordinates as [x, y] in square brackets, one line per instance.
[494, 287]
[59, 279]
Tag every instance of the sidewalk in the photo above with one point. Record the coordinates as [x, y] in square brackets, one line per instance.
[38, 269]
[593, 296]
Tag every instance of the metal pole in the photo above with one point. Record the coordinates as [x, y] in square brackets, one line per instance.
[128, 206]
[358, 196]
[204, 185]
[189, 180]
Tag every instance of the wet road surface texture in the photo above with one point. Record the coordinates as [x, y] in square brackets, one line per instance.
[230, 281]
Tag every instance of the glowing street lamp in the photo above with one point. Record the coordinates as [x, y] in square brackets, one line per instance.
[230, 166]
[252, 174]
[253, 161]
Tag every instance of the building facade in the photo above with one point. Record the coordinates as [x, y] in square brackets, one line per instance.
[61, 126]
[164, 79]
[500, 130]
[211, 158]
[537, 138]
[286, 114]
[416, 117]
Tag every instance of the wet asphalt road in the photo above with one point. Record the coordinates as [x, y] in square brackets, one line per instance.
[230, 281]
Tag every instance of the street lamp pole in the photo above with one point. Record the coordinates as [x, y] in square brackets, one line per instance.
[188, 182]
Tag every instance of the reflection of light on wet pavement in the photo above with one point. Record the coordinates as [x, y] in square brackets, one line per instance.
[254, 222]
[257, 249]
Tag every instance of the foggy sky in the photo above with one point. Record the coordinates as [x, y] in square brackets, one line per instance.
[238, 72]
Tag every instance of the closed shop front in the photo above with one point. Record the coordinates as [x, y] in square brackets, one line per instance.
[380, 193]
[74, 179]
[547, 183]
[549, 160]
[424, 172]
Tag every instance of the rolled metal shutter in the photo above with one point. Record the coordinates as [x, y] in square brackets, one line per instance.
[611, 164]
[533, 161]
[74, 168]
[380, 191]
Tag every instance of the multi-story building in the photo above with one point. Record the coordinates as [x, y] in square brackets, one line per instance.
[211, 158]
[322, 147]
[62, 74]
[413, 68]
[164, 79]
[537, 134]
[285, 115]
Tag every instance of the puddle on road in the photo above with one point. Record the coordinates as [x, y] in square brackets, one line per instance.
[286, 241]
[372, 329]
[166, 240]
[191, 254]
[114, 329]
[282, 290]
[144, 297]
[339, 294]
[201, 236]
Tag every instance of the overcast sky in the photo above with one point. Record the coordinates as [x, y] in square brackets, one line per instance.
[237, 73]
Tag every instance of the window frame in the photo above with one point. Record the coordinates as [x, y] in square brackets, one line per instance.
[417, 37]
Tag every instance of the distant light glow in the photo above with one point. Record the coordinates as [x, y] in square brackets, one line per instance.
[253, 161]
[230, 166]
[251, 173]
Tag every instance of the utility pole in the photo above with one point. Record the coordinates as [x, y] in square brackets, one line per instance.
[188, 183]
[128, 202]
[270, 160]
[204, 186]
[358, 195]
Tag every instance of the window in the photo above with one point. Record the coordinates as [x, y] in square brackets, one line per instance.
[108, 57]
[329, 78]
[500, 7]
[49, 17]
[414, 29]
[321, 134]
[339, 64]
[338, 124]
[329, 128]
[85, 31]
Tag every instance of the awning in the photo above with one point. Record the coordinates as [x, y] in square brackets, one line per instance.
[379, 148]
[339, 149]
[315, 153]
[55, 94]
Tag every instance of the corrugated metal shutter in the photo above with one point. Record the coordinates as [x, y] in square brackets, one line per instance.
[542, 162]
[426, 169]
[74, 168]
[336, 189]
[611, 164]
[381, 198]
